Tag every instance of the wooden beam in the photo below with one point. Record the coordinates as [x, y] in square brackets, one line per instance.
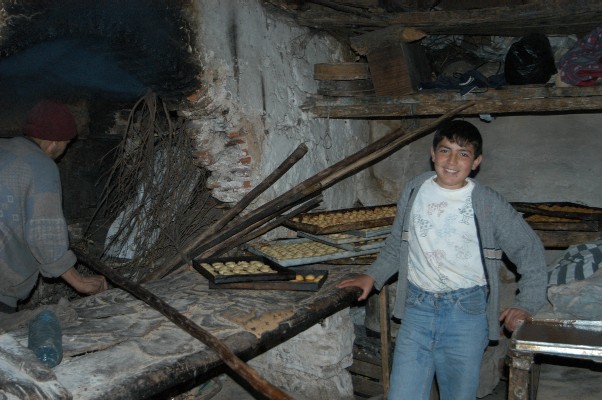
[250, 375]
[552, 17]
[509, 100]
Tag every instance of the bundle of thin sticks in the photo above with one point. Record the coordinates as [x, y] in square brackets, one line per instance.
[234, 229]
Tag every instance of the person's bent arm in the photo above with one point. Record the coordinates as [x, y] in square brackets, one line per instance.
[362, 281]
[85, 284]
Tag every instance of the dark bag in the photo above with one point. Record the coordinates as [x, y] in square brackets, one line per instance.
[530, 60]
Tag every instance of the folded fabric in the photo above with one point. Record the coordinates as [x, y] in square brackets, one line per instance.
[582, 64]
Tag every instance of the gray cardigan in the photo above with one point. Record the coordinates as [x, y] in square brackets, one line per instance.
[33, 231]
[500, 228]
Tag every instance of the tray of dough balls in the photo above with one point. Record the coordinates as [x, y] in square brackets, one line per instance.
[300, 251]
[241, 269]
[303, 280]
[343, 220]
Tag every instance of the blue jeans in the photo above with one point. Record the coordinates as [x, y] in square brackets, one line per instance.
[442, 334]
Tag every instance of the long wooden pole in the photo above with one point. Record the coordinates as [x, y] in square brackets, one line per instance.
[331, 175]
[255, 231]
[235, 363]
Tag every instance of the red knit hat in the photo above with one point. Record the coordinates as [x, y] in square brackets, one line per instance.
[50, 121]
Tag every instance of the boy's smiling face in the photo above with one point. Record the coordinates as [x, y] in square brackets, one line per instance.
[453, 163]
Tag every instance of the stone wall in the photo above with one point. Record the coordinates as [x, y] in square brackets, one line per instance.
[312, 365]
[247, 118]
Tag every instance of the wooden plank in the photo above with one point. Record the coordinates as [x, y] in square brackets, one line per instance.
[362, 355]
[365, 386]
[358, 87]
[510, 100]
[551, 17]
[392, 71]
[392, 35]
[363, 368]
[341, 71]
[563, 239]
[582, 226]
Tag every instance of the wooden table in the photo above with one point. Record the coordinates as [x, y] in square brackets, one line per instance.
[120, 348]
[565, 338]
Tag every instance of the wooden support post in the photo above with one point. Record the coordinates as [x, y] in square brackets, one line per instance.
[385, 336]
[518, 384]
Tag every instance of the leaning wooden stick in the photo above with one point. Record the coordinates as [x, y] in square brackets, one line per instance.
[255, 231]
[235, 363]
[291, 160]
[331, 175]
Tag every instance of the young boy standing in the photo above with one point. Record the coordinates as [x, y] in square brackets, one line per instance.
[446, 246]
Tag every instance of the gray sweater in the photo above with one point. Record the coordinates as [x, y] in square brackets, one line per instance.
[33, 232]
[500, 229]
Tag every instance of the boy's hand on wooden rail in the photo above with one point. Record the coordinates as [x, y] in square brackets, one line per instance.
[511, 317]
[362, 281]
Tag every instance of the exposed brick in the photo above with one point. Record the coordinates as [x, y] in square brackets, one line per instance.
[235, 135]
[195, 97]
[235, 142]
[245, 160]
[246, 184]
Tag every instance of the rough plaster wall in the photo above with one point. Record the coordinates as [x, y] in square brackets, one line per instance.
[312, 365]
[258, 72]
[526, 158]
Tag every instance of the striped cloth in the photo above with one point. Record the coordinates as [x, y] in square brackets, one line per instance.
[579, 262]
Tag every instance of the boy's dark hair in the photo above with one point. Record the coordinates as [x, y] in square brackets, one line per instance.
[460, 132]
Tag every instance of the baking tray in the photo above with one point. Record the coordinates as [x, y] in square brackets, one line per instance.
[335, 252]
[281, 274]
[347, 241]
[359, 260]
[335, 224]
[371, 232]
[561, 210]
[295, 285]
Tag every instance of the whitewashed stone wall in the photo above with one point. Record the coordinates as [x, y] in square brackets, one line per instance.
[258, 71]
[312, 364]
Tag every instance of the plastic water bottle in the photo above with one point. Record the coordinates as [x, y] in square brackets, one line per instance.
[46, 339]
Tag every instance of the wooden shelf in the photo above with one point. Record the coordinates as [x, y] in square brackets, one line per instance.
[507, 100]
[549, 17]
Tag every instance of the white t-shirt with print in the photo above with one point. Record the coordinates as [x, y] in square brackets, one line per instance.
[444, 249]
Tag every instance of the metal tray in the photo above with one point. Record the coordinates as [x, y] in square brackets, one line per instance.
[295, 223]
[560, 209]
[371, 232]
[279, 285]
[290, 262]
[347, 241]
[560, 337]
[281, 274]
